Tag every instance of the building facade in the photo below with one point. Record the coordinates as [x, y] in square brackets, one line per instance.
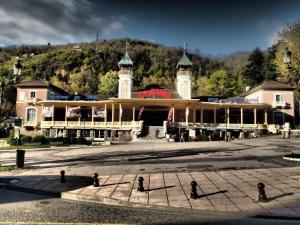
[133, 114]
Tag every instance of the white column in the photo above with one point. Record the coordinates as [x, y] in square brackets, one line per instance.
[266, 117]
[93, 110]
[228, 115]
[242, 117]
[120, 115]
[66, 118]
[201, 116]
[173, 116]
[215, 116]
[133, 113]
[52, 115]
[254, 111]
[194, 116]
[186, 118]
[112, 113]
[105, 118]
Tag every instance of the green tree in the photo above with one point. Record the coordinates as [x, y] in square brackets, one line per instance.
[289, 39]
[254, 70]
[108, 83]
[221, 83]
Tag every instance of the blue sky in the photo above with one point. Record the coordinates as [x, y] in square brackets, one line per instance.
[213, 27]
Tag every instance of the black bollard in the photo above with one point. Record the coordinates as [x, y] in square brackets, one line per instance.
[194, 193]
[261, 193]
[96, 180]
[141, 184]
[62, 177]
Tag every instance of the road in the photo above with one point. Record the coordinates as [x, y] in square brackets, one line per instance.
[21, 208]
[153, 157]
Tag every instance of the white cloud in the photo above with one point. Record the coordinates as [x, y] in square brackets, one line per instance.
[56, 21]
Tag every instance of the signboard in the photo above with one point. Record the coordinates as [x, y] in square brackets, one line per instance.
[17, 132]
[155, 93]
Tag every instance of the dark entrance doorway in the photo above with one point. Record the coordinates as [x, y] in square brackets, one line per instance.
[155, 115]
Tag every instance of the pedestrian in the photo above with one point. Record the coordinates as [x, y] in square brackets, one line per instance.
[156, 133]
[181, 136]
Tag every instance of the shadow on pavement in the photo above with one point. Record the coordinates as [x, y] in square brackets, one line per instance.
[154, 189]
[280, 196]
[213, 193]
[48, 185]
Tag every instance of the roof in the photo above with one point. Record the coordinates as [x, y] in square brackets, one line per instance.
[184, 61]
[125, 61]
[40, 83]
[270, 85]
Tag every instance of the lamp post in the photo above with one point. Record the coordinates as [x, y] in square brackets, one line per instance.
[287, 59]
[17, 71]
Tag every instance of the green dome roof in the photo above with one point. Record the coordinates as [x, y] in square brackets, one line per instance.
[184, 61]
[125, 61]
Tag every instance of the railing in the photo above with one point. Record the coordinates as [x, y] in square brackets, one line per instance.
[223, 125]
[90, 124]
[30, 123]
[32, 100]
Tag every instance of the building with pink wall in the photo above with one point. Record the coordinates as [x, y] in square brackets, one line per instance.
[279, 96]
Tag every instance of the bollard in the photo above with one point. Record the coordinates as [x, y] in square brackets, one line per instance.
[261, 192]
[62, 177]
[96, 180]
[194, 193]
[141, 184]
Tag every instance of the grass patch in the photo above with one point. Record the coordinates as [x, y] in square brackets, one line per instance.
[32, 146]
[7, 168]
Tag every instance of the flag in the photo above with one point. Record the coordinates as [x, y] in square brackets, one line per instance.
[99, 113]
[141, 112]
[121, 110]
[170, 114]
[48, 111]
[73, 112]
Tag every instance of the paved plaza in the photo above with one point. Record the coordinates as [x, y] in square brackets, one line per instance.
[229, 186]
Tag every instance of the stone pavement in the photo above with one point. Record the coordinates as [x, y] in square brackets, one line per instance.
[233, 191]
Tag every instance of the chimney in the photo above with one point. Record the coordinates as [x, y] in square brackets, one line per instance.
[247, 88]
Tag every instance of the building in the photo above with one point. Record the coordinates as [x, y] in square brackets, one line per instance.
[279, 96]
[27, 101]
[55, 113]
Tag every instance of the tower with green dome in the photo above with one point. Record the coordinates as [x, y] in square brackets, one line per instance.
[125, 76]
[184, 77]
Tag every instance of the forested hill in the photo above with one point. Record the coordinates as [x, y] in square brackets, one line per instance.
[81, 69]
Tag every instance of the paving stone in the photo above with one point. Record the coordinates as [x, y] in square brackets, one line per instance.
[140, 197]
[108, 188]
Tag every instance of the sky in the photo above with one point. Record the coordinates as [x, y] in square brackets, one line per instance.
[212, 27]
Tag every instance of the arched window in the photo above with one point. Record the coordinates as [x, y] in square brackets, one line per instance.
[31, 113]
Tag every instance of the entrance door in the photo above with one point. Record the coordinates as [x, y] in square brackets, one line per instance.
[155, 115]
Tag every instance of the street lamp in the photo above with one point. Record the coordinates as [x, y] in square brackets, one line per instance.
[287, 59]
[17, 72]
[287, 56]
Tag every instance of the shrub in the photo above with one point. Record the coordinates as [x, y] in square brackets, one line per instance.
[11, 139]
[81, 140]
[203, 137]
[25, 139]
[40, 138]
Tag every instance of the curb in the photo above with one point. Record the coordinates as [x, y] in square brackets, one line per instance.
[117, 202]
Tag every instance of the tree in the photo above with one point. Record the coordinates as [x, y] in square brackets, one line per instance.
[269, 65]
[290, 40]
[254, 70]
[108, 83]
[221, 83]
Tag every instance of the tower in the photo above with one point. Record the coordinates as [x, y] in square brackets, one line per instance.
[184, 77]
[125, 76]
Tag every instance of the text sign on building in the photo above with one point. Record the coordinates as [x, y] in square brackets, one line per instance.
[155, 93]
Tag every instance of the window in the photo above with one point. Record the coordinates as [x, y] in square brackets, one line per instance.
[32, 94]
[21, 95]
[278, 98]
[31, 114]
